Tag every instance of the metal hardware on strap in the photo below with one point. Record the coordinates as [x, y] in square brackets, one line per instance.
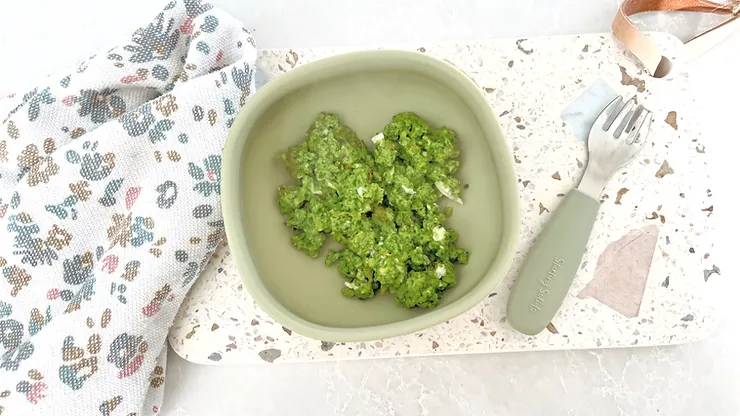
[645, 49]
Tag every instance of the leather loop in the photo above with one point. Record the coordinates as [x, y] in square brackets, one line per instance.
[645, 49]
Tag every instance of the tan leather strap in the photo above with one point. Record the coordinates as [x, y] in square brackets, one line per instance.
[645, 49]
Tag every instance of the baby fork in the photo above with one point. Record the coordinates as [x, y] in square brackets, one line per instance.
[548, 270]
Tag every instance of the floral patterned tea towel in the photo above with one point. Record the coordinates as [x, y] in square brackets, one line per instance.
[109, 209]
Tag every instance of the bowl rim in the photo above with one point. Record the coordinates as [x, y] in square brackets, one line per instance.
[233, 223]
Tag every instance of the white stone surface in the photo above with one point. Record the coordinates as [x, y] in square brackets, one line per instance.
[38, 36]
[529, 83]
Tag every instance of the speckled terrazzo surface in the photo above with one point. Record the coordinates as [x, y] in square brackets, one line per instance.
[661, 208]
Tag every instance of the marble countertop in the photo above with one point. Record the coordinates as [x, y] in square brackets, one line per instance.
[696, 378]
[642, 279]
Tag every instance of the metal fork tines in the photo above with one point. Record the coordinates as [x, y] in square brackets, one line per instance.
[614, 141]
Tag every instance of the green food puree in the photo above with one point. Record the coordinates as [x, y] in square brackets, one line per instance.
[380, 205]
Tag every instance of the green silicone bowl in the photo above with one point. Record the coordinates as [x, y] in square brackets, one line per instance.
[365, 89]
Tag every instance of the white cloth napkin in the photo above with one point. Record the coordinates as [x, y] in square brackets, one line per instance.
[109, 209]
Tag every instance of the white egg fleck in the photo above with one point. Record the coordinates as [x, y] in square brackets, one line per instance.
[441, 271]
[378, 137]
[408, 190]
[445, 190]
[438, 233]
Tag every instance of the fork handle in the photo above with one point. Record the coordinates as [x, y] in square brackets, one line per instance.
[548, 270]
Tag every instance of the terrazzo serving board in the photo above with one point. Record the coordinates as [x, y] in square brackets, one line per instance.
[648, 276]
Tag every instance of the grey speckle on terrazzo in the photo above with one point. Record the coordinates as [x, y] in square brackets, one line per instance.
[270, 355]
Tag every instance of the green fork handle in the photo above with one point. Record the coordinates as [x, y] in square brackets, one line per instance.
[551, 264]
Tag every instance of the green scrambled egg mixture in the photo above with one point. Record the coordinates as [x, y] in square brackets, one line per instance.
[379, 204]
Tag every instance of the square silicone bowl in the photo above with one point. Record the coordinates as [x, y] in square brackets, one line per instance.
[365, 89]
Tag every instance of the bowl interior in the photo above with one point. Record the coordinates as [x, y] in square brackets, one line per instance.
[365, 96]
